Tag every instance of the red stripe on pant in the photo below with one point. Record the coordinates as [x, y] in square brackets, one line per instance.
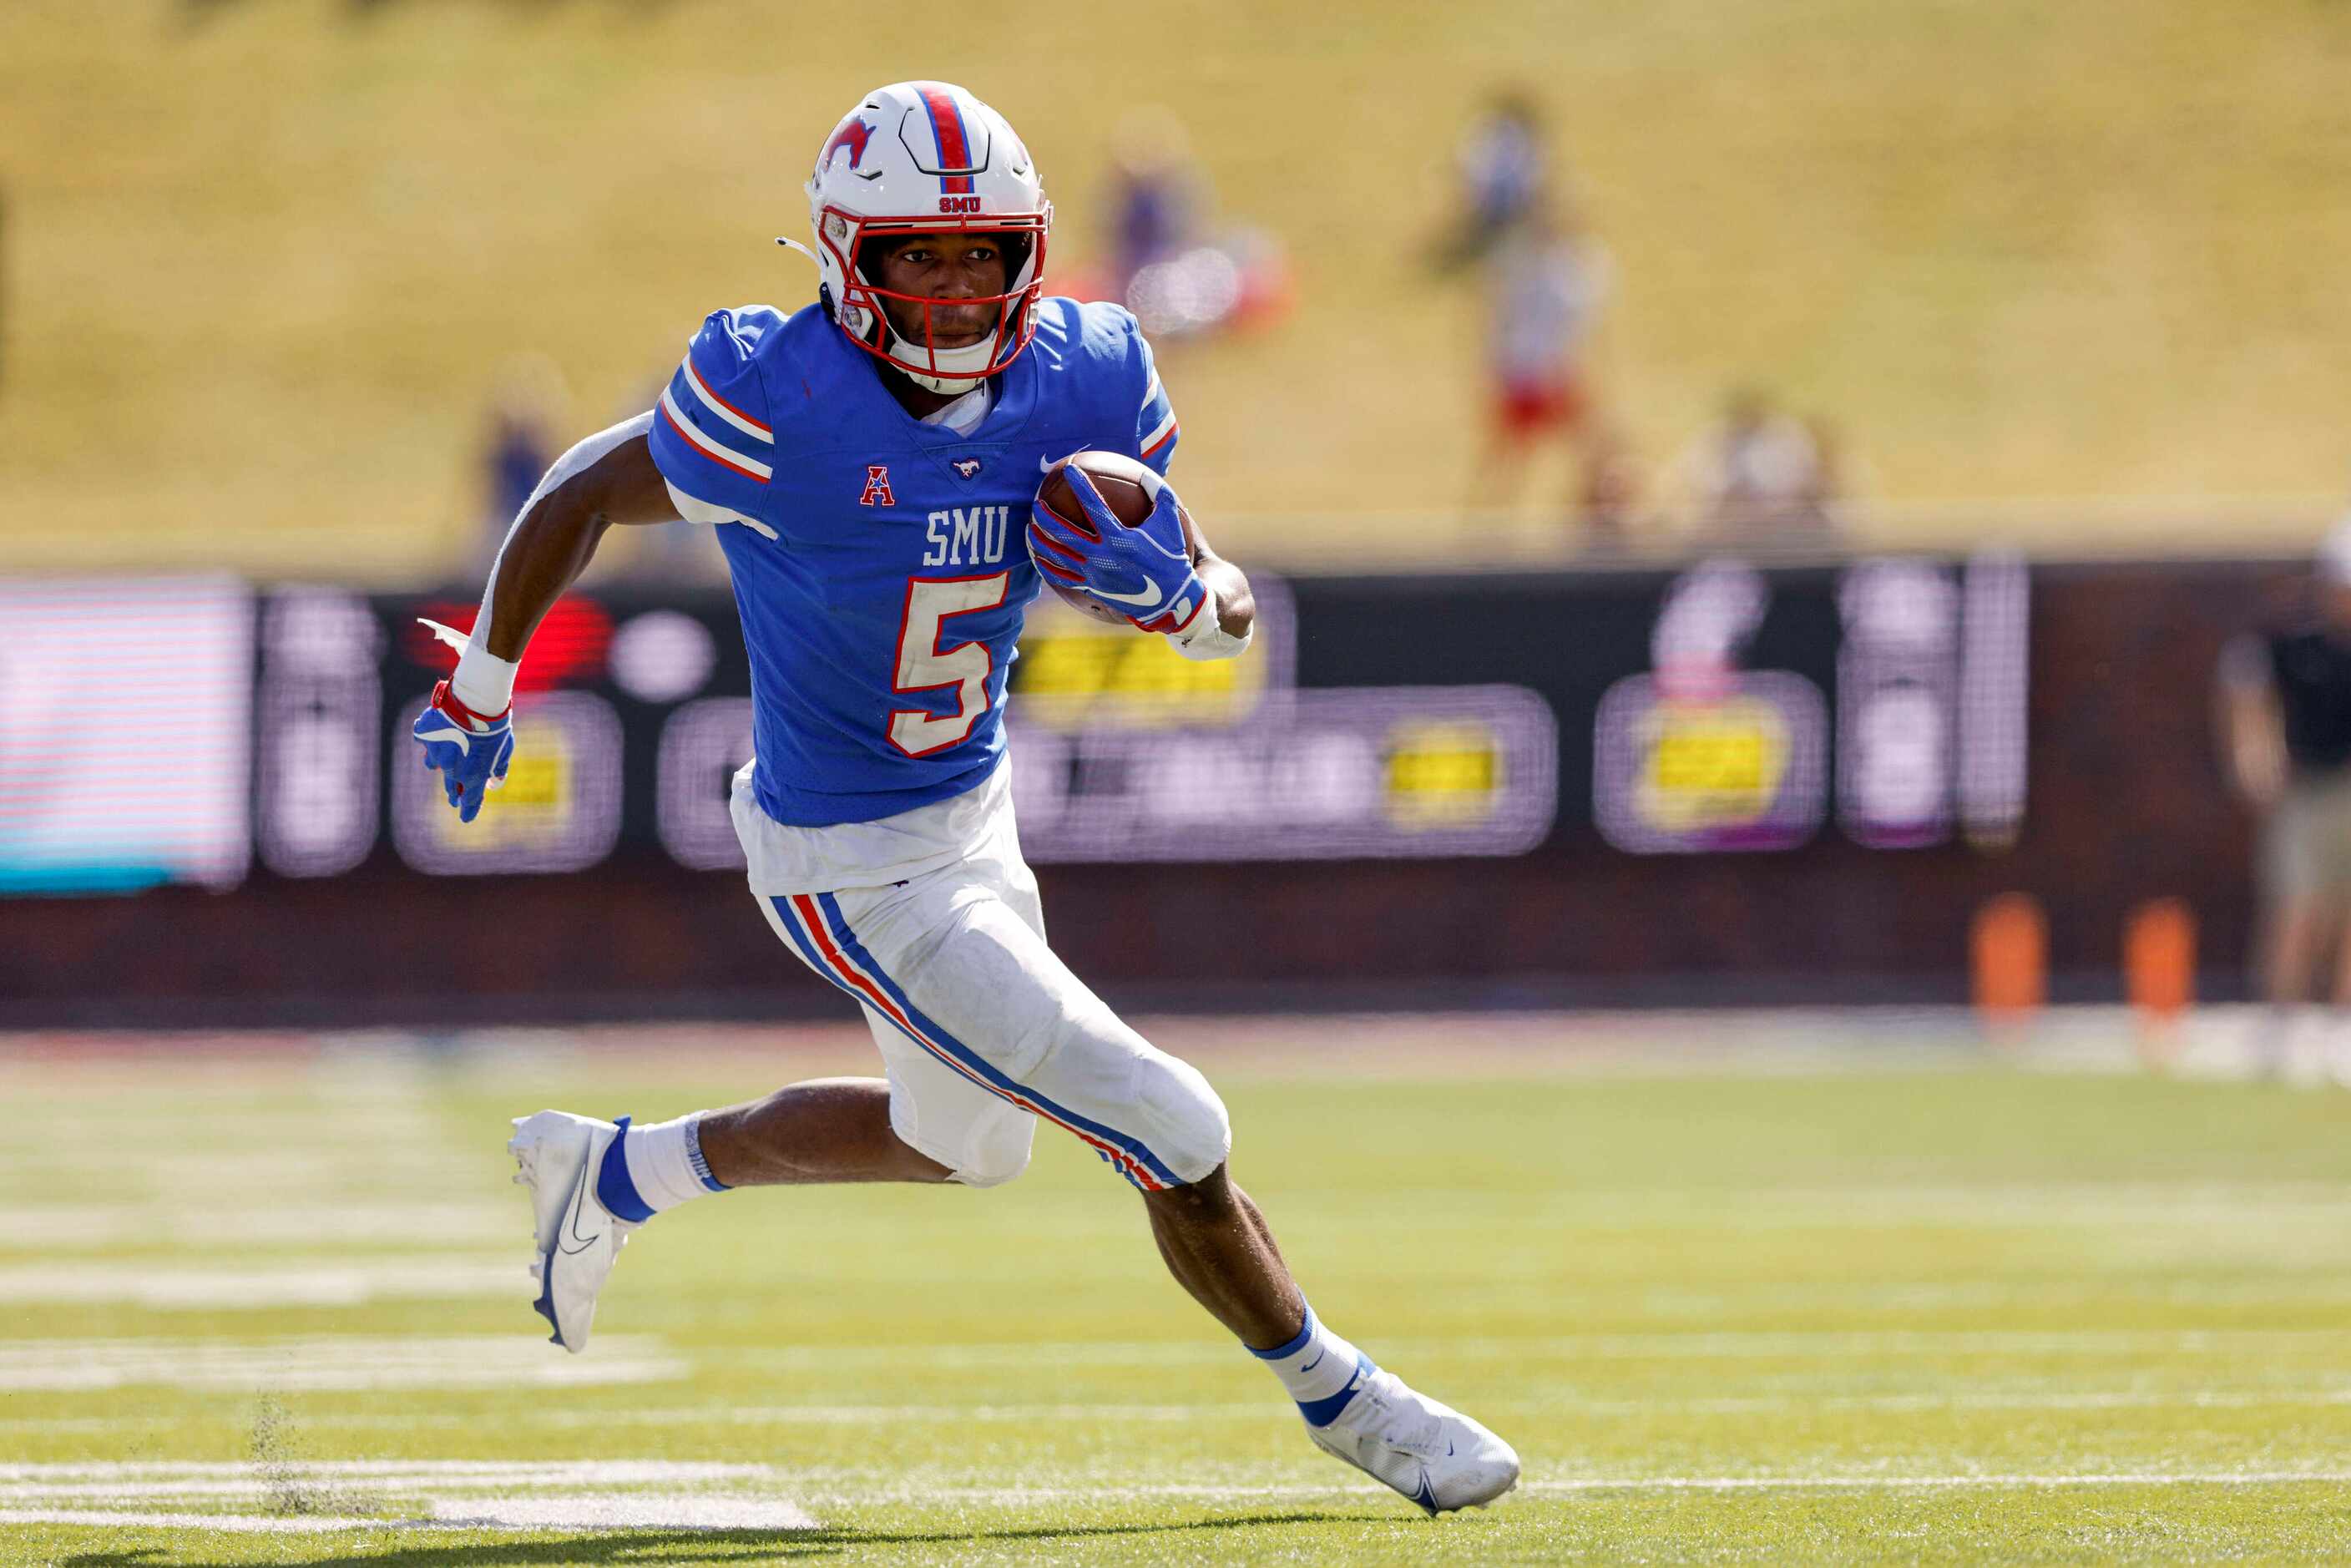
[813, 918]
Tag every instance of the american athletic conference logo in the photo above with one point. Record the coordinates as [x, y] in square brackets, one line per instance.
[877, 487]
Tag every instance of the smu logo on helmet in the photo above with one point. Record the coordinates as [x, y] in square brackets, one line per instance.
[853, 134]
[959, 204]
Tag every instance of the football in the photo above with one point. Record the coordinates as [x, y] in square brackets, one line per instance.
[1121, 481]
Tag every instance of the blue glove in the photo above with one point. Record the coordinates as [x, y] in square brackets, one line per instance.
[1142, 572]
[470, 752]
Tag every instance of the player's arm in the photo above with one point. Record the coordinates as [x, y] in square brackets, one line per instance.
[705, 453]
[467, 728]
[1236, 606]
[2251, 722]
[606, 479]
[1158, 572]
[1225, 632]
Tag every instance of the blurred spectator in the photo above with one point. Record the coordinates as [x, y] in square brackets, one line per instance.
[2285, 713]
[1545, 285]
[1833, 476]
[527, 413]
[1608, 498]
[1762, 476]
[1178, 278]
[1156, 193]
[1505, 170]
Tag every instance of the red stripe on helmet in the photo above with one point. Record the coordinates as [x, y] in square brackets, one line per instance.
[955, 146]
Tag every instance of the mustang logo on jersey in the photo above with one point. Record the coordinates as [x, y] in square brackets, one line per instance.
[968, 535]
[877, 487]
[966, 466]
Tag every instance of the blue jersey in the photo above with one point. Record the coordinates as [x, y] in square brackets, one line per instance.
[883, 571]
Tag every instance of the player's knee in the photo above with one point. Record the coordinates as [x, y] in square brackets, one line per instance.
[1193, 1133]
[998, 1156]
[993, 1172]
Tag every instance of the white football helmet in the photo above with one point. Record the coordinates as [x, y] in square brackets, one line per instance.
[925, 157]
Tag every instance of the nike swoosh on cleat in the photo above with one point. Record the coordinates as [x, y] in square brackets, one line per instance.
[579, 1194]
[1426, 1495]
[1142, 600]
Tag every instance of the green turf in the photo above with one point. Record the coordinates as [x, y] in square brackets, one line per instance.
[1960, 1316]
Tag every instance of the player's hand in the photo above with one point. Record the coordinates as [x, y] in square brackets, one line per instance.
[1143, 572]
[469, 751]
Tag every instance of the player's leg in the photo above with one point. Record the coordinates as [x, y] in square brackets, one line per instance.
[1220, 1250]
[593, 1182]
[827, 1130]
[924, 1123]
[1218, 1246]
[2295, 927]
[961, 962]
[2331, 874]
[1498, 471]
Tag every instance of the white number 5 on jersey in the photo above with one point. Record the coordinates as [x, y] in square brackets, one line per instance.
[924, 666]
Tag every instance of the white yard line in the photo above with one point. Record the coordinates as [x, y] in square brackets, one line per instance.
[309, 1282]
[1016, 1495]
[411, 1494]
[285, 1222]
[429, 1494]
[1895, 1483]
[330, 1363]
[599, 1419]
[125, 1519]
[550, 1472]
[587, 1512]
[1823, 1343]
[886, 1415]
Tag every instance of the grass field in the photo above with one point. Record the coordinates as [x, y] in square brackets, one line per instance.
[1899, 1306]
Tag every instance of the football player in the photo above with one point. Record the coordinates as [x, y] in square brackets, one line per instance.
[869, 463]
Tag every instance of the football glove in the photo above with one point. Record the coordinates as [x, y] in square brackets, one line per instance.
[1142, 572]
[469, 751]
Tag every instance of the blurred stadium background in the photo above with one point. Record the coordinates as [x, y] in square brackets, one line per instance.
[1768, 924]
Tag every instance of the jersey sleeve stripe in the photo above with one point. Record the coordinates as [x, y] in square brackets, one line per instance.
[1152, 392]
[1162, 435]
[695, 509]
[721, 407]
[724, 456]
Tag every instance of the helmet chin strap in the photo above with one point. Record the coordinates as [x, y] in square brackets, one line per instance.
[972, 358]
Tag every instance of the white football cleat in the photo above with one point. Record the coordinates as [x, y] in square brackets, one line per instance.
[578, 1239]
[1431, 1453]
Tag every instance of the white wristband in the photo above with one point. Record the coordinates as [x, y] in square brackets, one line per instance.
[483, 681]
[1203, 636]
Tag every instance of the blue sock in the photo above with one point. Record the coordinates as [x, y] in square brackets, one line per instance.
[615, 1189]
[1319, 1369]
